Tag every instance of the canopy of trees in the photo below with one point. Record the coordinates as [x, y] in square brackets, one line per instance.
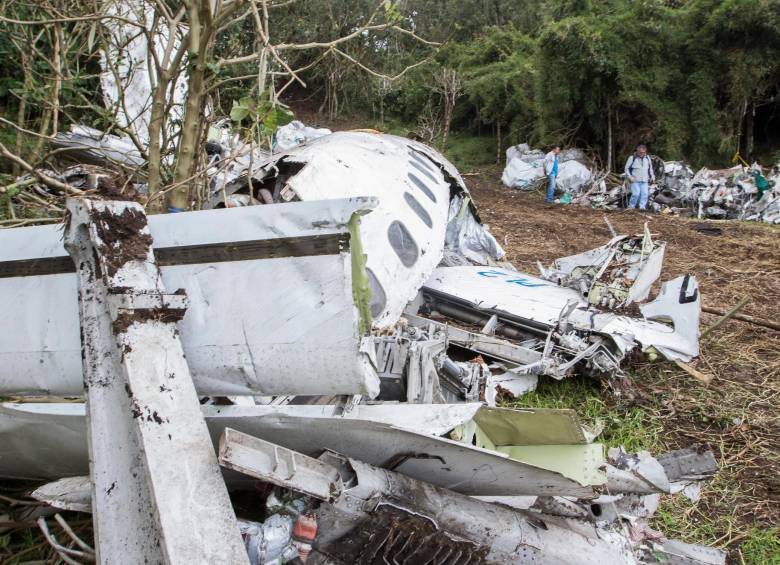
[696, 79]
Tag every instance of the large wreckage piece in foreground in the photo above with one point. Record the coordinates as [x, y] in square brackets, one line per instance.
[271, 293]
[367, 514]
[334, 509]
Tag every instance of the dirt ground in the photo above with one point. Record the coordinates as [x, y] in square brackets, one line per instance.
[737, 413]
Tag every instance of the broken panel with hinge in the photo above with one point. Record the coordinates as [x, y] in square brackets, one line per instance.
[277, 302]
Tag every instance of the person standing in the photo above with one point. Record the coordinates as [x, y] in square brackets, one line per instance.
[551, 170]
[639, 171]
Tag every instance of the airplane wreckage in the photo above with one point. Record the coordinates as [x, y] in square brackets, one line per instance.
[341, 339]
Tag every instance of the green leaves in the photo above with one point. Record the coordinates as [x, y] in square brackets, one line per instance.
[268, 115]
[241, 109]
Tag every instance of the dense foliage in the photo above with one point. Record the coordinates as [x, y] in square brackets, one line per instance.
[696, 79]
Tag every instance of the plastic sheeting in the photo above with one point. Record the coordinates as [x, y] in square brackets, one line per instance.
[572, 176]
[525, 169]
[295, 133]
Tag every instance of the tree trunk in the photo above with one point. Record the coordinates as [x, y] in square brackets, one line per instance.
[155, 133]
[498, 141]
[447, 119]
[739, 124]
[749, 127]
[178, 198]
[610, 150]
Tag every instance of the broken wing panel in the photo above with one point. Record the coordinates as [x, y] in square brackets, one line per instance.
[270, 294]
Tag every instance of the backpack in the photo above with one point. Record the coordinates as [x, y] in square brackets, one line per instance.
[649, 166]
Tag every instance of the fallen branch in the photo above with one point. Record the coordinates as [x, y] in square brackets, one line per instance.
[725, 317]
[744, 318]
[698, 375]
[45, 179]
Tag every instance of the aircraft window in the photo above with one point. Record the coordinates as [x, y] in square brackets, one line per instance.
[403, 243]
[423, 171]
[378, 297]
[421, 185]
[422, 160]
[418, 209]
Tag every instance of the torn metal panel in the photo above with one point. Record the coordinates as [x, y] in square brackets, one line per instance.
[138, 39]
[87, 145]
[671, 324]
[448, 463]
[690, 464]
[406, 235]
[551, 439]
[559, 324]
[513, 385]
[143, 420]
[243, 333]
[70, 493]
[637, 473]
[614, 275]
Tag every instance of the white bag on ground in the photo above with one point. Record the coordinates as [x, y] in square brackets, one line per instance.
[572, 175]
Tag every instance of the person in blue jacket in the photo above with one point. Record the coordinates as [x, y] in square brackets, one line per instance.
[551, 170]
[639, 172]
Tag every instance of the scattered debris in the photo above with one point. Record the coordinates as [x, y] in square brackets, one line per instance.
[296, 133]
[384, 287]
[741, 192]
[525, 169]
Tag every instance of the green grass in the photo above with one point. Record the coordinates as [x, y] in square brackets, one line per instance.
[630, 427]
[762, 547]
[468, 152]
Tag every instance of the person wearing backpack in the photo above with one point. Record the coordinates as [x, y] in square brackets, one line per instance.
[551, 171]
[639, 172]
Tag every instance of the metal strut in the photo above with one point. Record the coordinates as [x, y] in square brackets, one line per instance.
[157, 492]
